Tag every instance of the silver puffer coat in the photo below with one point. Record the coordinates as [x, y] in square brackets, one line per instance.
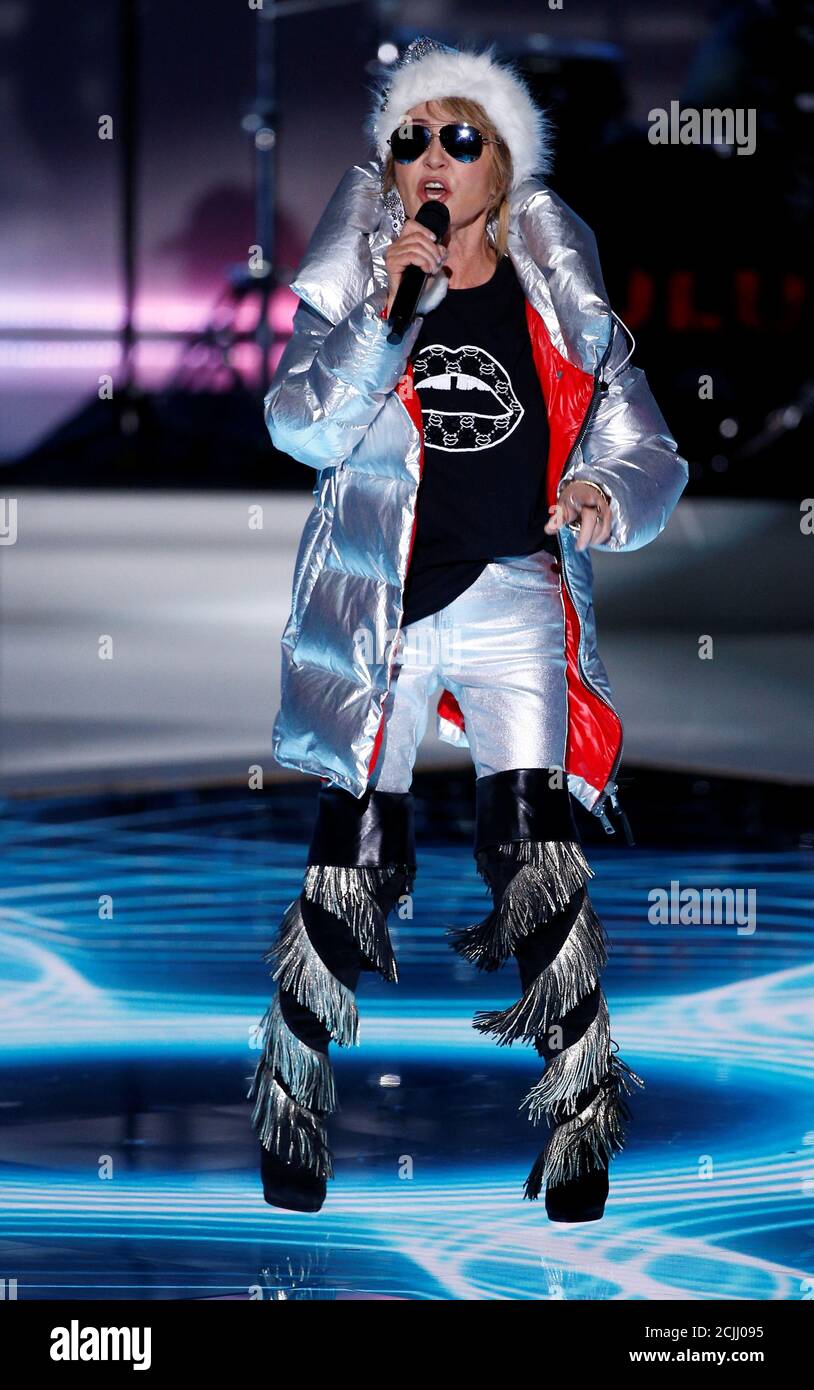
[342, 402]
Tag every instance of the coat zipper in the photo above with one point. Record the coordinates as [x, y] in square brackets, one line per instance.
[610, 791]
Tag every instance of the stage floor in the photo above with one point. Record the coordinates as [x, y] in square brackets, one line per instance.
[132, 983]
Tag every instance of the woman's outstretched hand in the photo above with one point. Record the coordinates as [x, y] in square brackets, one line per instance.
[584, 503]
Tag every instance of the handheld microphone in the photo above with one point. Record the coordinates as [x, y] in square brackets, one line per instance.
[433, 215]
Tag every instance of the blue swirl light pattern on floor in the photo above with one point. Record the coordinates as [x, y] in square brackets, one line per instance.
[131, 984]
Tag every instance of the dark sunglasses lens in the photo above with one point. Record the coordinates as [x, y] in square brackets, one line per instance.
[463, 142]
[408, 142]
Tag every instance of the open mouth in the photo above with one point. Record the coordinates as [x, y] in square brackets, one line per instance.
[435, 189]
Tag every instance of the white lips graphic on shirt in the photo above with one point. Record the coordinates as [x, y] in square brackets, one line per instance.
[490, 411]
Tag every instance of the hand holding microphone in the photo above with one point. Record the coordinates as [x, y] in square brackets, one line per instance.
[416, 254]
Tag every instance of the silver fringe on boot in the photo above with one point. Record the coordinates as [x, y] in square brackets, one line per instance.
[305, 1072]
[567, 979]
[293, 1085]
[350, 894]
[289, 1129]
[591, 1138]
[302, 971]
[548, 874]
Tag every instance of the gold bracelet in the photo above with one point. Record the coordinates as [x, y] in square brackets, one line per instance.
[588, 483]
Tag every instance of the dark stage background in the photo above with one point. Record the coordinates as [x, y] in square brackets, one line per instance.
[706, 253]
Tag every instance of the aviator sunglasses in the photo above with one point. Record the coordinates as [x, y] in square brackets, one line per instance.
[464, 142]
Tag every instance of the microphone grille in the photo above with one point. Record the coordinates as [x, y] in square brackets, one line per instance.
[434, 215]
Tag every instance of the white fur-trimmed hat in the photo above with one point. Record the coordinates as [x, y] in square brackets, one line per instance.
[430, 71]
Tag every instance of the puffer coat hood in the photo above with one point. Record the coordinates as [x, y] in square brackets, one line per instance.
[342, 402]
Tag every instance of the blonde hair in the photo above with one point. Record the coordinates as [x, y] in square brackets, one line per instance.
[462, 109]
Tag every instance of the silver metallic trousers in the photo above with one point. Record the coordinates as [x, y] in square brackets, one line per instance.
[500, 649]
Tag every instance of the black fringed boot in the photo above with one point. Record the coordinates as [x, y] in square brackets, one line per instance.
[528, 851]
[361, 861]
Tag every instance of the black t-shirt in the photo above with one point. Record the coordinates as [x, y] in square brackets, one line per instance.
[482, 493]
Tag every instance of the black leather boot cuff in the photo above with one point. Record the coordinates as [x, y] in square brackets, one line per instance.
[521, 805]
[363, 832]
